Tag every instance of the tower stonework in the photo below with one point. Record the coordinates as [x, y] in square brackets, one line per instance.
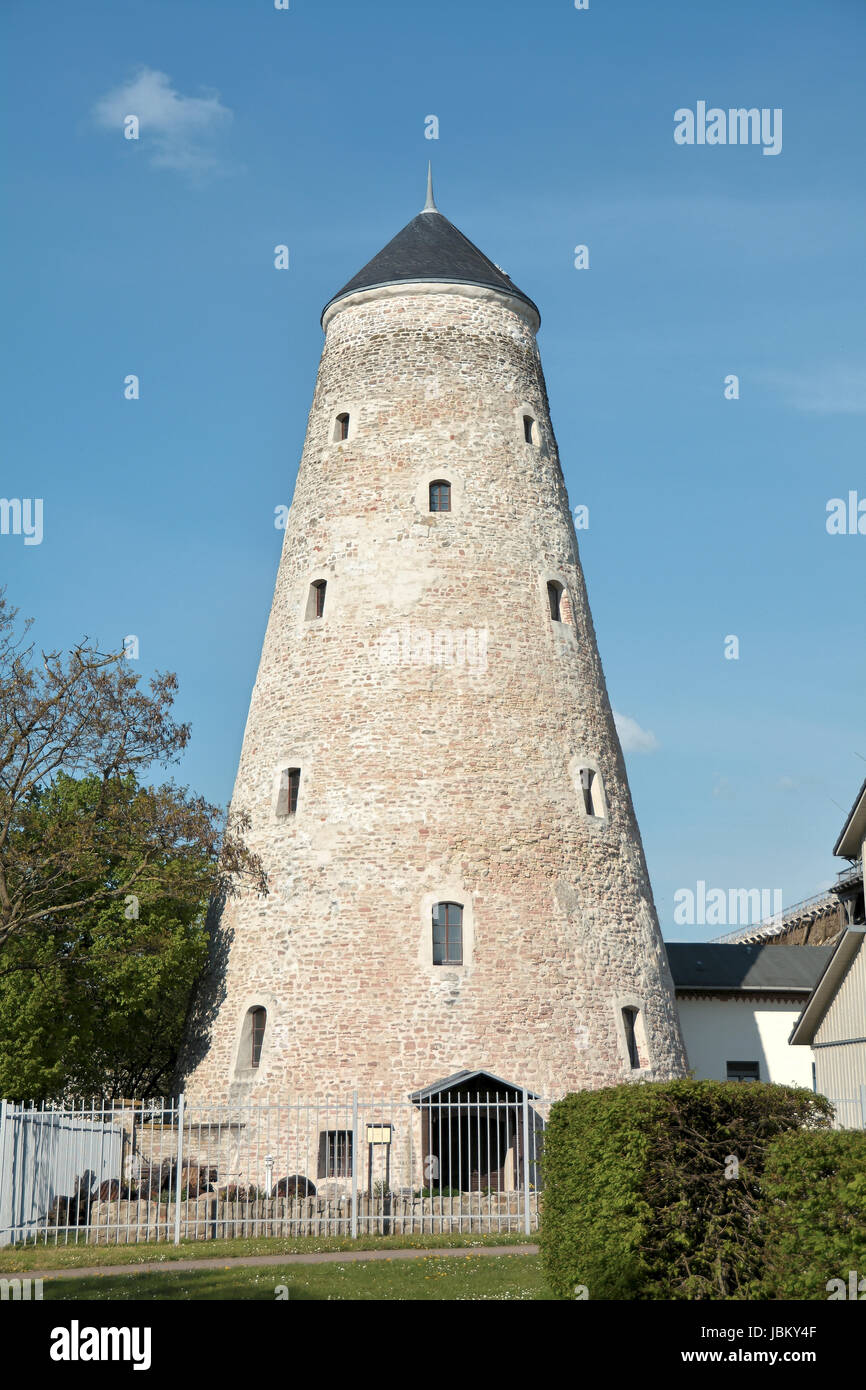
[441, 734]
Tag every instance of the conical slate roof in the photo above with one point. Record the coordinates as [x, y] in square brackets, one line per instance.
[430, 248]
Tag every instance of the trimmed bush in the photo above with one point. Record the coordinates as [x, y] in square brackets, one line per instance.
[815, 1217]
[653, 1191]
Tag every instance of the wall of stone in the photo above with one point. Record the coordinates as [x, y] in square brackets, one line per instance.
[426, 777]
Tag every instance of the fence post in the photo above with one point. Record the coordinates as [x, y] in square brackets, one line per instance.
[526, 1225]
[180, 1109]
[863, 1107]
[5, 1179]
[355, 1156]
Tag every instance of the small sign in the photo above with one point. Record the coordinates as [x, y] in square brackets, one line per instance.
[378, 1134]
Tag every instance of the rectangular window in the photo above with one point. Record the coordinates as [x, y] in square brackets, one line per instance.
[257, 1034]
[744, 1071]
[587, 777]
[335, 1153]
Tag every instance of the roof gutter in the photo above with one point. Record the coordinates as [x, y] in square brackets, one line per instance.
[848, 845]
[821, 997]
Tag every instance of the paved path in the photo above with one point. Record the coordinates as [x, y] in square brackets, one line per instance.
[239, 1261]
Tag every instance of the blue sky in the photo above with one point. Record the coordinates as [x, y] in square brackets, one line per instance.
[306, 127]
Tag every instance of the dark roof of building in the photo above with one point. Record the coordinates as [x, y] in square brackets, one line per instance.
[430, 248]
[476, 1082]
[698, 965]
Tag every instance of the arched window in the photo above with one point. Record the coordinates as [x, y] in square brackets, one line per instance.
[316, 600]
[341, 428]
[258, 1018]
[528, 429]
[290, 785]
[629, 1020]
[554, 598]
[447, 934]
[440, 496]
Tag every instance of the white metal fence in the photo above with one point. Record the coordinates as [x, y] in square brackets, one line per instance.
[45, 1157]
[169, 1170]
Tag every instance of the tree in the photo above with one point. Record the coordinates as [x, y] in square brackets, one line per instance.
[97, 1005]
[84, 715]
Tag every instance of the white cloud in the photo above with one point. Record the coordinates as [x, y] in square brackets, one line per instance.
[179, 129]
[827, 390]
[633, 738]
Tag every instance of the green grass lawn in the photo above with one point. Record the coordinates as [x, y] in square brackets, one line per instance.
[20, 1258]
[456, 1278]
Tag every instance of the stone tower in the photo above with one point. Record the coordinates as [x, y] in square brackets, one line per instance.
[430, 762]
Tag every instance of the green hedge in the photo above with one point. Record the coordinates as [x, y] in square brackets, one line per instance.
[637, 1204]
[815, 1218]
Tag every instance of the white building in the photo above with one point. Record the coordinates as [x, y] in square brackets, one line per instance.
[832, 1029]
[833, 1022]
[738, 1005]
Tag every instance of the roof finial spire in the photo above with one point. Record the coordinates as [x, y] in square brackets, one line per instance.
[430, 205]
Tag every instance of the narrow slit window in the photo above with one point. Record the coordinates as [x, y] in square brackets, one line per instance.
[590, 787]
[316, 600]
[447, 934]
[629, 1019]
[440, 496]
[528, 427]
[554, 598]
[290, 785]
[342, 427]
[258, 1018]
